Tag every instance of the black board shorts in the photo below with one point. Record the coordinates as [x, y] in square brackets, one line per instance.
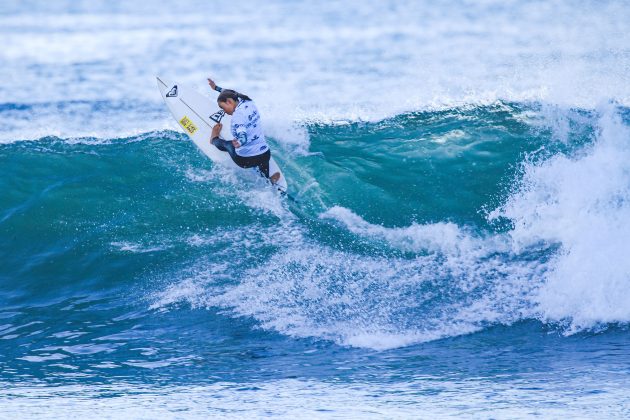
[259, 161]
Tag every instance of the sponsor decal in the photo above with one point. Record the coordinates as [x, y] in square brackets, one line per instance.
[172, 93]
[216, 117]
[188, 125]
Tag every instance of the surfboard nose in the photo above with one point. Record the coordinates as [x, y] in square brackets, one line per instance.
[162, 84]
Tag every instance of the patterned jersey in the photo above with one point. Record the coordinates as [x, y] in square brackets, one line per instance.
[247, 129]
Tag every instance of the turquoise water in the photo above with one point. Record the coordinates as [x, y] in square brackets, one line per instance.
[457, 245]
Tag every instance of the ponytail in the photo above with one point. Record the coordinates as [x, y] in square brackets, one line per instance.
[232, 94]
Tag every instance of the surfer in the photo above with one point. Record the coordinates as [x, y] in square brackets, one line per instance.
[248, 149]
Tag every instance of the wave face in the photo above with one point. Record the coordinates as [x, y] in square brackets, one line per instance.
[461, 216]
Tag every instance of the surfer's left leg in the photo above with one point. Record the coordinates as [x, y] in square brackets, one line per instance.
[224, 146]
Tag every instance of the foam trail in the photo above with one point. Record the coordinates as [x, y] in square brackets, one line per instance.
[309, 290]
[445, 237]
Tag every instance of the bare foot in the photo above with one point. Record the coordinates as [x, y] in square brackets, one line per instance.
[275, 177]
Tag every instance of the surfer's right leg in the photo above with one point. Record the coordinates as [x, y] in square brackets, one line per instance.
[261, 161]
[275, 177]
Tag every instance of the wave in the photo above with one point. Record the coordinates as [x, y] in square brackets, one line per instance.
[410, 229]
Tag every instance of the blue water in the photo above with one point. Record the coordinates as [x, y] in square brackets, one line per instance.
[458, 245]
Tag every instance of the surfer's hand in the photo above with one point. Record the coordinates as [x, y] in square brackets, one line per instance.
[216, 130]
[212, 84]
[236, 144]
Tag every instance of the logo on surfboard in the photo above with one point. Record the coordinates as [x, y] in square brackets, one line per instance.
[172, 93]
[216, 117]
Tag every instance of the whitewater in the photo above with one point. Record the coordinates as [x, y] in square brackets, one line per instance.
[459, 242]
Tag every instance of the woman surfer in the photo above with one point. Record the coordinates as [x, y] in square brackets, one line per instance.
[248, 149]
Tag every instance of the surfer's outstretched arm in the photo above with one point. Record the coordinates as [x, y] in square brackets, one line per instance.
[214, 85]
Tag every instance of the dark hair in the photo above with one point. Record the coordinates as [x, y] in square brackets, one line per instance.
[232, 94]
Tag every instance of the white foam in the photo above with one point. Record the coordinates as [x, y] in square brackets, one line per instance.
[309, 290]
[581, 203]
[138, 248]
[444, 237]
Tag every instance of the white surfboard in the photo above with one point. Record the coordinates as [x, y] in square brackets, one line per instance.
[197, 114]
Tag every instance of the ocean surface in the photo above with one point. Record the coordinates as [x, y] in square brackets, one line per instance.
[458, 246]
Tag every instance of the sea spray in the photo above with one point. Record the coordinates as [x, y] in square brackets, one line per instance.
[582, 203]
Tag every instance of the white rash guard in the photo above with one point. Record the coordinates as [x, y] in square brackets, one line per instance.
[247, 129]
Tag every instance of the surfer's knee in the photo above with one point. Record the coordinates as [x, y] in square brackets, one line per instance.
[216, 141]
